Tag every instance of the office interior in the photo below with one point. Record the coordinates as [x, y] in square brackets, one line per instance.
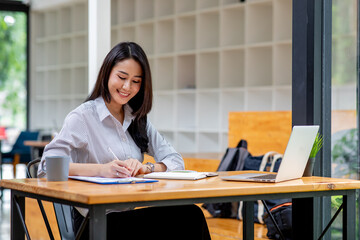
[208, 58]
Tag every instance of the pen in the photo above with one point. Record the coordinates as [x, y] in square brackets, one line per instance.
[109, 149]
[113, 153]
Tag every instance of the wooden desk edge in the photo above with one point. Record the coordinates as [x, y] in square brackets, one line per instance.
[183, 189]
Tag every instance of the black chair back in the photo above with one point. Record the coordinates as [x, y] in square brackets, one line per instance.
[32, 167]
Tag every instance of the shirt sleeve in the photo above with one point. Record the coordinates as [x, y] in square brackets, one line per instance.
[71, 137]
[162, 151]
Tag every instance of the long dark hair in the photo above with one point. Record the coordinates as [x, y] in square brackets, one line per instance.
[141, 103]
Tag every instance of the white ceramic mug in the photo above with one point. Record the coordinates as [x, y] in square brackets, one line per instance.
[57, 168]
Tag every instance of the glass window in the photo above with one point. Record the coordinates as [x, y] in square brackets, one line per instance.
[13, 67]
[344, 140]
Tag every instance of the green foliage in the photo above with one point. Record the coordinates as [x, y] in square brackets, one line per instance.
[344, 153]
[318, 143]
[336, 228]
[13, 69]
[336, 201]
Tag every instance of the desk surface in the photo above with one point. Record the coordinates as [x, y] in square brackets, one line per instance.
[90, 193]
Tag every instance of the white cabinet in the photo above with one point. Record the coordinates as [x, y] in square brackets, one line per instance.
[59, 56]
[210, 57]
[185, 24]
[233, 26]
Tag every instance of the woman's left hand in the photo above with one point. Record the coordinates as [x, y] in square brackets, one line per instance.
[136, 167]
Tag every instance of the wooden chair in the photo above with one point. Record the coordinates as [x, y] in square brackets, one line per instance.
[264, 131]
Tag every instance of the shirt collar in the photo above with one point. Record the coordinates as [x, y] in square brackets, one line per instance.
[104, 112]
[128, 116]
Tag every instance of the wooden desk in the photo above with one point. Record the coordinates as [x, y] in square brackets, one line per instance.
[40, 144]
[98, 198]
[37, 147]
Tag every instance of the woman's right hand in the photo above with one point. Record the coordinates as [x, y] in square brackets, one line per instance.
[115, 168]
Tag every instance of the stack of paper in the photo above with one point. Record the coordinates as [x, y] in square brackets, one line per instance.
[181, 175]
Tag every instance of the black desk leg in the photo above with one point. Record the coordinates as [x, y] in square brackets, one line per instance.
[248, 220]
[302, 218]
[349, 216]
[97, 222]
[17, 231]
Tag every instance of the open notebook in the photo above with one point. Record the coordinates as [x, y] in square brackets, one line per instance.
[102, 180]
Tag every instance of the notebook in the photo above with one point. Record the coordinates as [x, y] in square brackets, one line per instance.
[294, 161]
[180, 175]
[102, 180]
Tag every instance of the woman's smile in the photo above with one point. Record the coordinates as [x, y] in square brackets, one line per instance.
[123, 94]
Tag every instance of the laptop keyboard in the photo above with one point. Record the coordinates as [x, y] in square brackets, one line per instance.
[266, 176]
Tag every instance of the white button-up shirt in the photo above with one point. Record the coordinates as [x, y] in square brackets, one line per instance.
[90, 130]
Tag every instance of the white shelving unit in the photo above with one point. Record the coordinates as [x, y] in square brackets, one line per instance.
[186, 111]
[209, 57]
[59, 57]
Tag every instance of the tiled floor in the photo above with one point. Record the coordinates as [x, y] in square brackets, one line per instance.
[5, 216]
[5, 201]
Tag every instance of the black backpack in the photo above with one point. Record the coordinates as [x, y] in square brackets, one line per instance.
[283, 217]
[234, 158]
[237, 159]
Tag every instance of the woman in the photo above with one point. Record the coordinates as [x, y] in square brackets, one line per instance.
[113, 121]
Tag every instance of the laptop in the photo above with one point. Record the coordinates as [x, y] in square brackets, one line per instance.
[294, 161]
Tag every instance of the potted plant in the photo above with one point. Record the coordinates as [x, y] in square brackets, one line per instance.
[318, 143]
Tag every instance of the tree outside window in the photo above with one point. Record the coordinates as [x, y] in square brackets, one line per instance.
[13, 69]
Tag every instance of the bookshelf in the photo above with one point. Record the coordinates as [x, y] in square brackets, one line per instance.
[59, 63]
[210, 57]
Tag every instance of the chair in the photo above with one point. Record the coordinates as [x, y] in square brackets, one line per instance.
[63, 212]
[19, 152]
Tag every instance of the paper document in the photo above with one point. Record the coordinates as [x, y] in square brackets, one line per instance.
[102, 180]
[180, 175]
